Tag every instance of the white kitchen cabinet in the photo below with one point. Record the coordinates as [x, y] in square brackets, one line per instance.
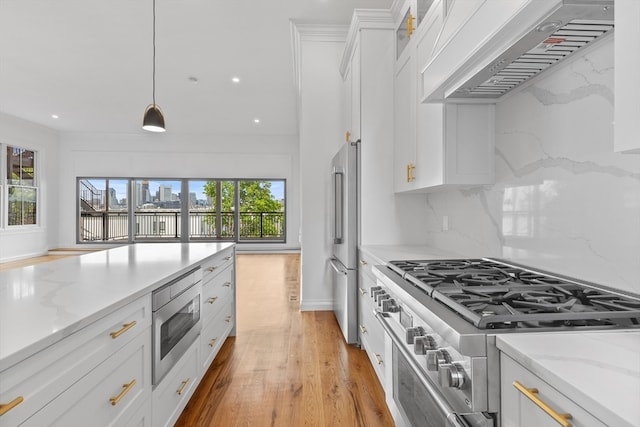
[627, 87]
[370, 332]
[66, 364]
[174, 391]
[215, 331]
[109, 395]
[518, 410]
[437, 145]
[351, 94]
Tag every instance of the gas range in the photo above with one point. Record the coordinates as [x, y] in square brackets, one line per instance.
[443, 317]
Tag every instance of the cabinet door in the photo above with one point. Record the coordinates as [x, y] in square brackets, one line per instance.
[517, 410]
[355, 94]
[404, 120]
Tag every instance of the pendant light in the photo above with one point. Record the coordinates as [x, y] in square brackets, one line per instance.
[153, 120]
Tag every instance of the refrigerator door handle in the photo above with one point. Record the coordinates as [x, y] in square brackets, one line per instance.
[334, 263]
[338, 209]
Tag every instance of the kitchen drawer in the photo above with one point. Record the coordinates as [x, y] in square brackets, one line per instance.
[214, 265]
[215, 291]
[45, 375]
[517, 410]
[172, 394]
[366, 264]
[109, 395]
[142, 417]
[214, 334]
[372, 342]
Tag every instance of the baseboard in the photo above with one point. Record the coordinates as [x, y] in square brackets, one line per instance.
[316, 305]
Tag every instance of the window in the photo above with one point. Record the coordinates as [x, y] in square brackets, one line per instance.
[212, 209]
[22, 190]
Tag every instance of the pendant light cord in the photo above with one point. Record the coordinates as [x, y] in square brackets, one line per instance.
[154, 53]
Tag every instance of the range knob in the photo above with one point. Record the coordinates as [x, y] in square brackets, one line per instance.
[390, 306]
[376, 294]
[437, 358]
[375, 289]
[451, 375]
[382, 297]
[422, 344]
[414, 332]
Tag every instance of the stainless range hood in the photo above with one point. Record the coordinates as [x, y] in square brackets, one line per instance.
[521, 53]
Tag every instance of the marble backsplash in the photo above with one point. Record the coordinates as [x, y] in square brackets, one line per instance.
[563, 200]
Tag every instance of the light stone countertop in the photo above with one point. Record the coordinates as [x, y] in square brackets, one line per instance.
[385, 253]
[43, 303]
[599, 371]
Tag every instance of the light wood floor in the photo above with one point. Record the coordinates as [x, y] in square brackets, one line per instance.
[284, 367]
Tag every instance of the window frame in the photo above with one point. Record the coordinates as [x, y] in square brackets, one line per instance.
[5, 187]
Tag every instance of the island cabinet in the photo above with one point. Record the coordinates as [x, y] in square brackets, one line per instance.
[627, 87]
[99, 375]
[435, 145]
[370, 332]
[528, 401]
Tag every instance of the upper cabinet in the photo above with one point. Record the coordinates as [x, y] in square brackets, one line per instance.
[627, 85]
[435, 145]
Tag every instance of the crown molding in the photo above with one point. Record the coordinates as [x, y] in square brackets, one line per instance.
[364, 19]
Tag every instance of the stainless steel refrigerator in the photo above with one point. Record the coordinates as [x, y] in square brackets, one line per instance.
[344, 235]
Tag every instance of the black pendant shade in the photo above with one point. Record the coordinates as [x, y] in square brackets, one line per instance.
[153, 119]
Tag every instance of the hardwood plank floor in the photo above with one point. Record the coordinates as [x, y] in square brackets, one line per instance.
[284, 367]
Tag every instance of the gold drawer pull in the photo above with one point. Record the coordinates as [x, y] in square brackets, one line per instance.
[212, 268]
[378, 359]
[124, 329]
[182, 386]
[227, 284]
[363, 291]
[6, 407]
[213, 342]
[363, 329]
[127, 388]
[227, 258]
[212, 300]
[363, 262]
[228, 319]
[531, 393]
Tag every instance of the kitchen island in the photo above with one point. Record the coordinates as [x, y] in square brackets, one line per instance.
[68, 325]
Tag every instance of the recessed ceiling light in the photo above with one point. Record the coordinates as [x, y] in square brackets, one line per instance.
[256, 121]
[235, 79]
[193, 80]
[55, 116]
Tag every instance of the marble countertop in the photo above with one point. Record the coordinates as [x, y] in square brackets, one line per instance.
[600, 371]
[385, 253]
[41, 304]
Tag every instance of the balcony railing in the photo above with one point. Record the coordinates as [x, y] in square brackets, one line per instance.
[114, 226]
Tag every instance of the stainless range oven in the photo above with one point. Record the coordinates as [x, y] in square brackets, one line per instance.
[176, 320]
[441, 319]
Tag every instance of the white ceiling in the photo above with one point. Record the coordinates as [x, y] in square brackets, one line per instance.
[90, 62]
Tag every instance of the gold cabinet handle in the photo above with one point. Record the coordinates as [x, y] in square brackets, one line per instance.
[213, 342]
[531, 393]
[363, 291]
[378, 359]
[6, 407]
[211, 300]
[363, 262]
[410, 168]
[124, 329]
[227, 284]
[228, 319]
[347, 136]
[126, 389]
[227, 258]
[212, 268]
[363, 329]
[182, 386]
[410, 28]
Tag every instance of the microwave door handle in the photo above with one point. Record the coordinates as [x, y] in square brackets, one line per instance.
[338, 208]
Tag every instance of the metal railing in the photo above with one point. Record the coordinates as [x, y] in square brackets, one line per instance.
[114, 226]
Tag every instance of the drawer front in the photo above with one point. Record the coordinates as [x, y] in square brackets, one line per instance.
[376, 357]
[172, 394]
[217, 263]
[216, 291]
[366, 264]
[214, 334]
[517, 410]
[372, 336]
[109, 395]
[40, 378]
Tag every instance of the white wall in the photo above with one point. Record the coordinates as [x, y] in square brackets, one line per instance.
[21, 242]
[577, 201]
[147, 155]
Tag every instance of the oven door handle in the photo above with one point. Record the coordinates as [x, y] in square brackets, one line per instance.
[453, 419]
